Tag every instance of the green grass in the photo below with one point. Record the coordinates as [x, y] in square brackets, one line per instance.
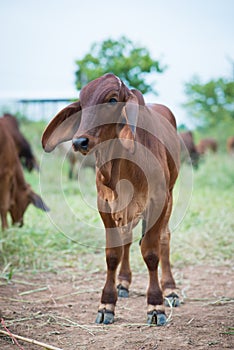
[72, 234]
[206, 233]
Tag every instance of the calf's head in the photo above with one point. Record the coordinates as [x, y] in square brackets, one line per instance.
[107, 109]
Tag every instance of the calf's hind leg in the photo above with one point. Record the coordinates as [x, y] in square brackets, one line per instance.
[125, 274]
[167, 281]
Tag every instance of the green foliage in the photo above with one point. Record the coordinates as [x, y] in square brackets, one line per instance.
[182, 127]
[122, 57]
[212, 102]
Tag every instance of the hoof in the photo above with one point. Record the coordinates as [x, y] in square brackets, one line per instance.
[122, 291]
[172, 300]
[105, 317]
[157, 318]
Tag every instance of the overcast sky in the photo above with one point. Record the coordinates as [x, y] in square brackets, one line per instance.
[40, 41]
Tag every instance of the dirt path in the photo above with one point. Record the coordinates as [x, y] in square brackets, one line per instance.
[60, 309]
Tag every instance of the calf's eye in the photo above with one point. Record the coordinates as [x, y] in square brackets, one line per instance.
[112, 101]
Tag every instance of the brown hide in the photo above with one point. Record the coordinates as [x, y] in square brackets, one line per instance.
[15, 193]
[137, 160]
[207, 144]
[22, 145]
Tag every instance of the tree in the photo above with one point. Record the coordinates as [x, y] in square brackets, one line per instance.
[211, 102]
[122, 57]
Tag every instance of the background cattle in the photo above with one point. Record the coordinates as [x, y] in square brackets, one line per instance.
[15, 193]
[22, 145]
[187, 141]
[207, 144]
[230, 145]
[75, 159]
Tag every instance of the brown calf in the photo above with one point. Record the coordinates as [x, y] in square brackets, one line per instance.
[15, 193]
[137, 160]
[207, 144]
[22, 145]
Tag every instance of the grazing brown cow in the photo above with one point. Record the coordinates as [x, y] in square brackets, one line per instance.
[22, 145]
[207, 144]
[230, 145]
[15, 193]
[137, 160]
[192, 153]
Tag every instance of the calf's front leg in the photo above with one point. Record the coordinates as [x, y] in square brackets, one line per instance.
[150, 249]
[109, 296]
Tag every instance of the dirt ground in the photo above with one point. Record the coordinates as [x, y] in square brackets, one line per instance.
[59, 309]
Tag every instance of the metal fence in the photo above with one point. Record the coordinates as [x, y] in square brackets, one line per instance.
[34, 109]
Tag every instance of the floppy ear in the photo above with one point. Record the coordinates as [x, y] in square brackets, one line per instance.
[62, 127]
[130, 117]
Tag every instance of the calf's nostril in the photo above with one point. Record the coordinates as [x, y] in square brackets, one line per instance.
[84, 143]
[80, 144]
